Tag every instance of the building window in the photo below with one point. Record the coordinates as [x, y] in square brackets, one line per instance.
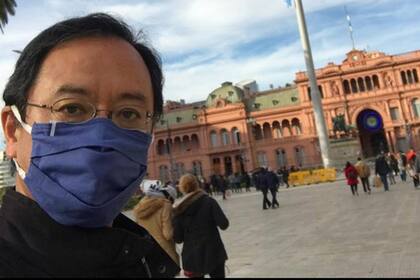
[236, 136]
[395, 115]
[368, 82]
[361, 84]
[262, 159]
[375, 82]
[197, 168]
[403, 77]
[353, 84]
[277, 130]
[213, 139]
[163, 174]
[300, 156]
[296, 128]
[409, 77]
[178, 119]
[346, 87]
[225, 137]
[179, 170]
[281, 158]
[416, 107]
[415, 76]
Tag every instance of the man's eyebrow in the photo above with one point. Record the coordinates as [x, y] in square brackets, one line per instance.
[133, 95]
[67, 88]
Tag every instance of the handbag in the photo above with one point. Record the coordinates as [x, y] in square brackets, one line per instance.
[377, 182]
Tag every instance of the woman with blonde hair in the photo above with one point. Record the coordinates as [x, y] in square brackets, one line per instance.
[154, 213]
[197, 217]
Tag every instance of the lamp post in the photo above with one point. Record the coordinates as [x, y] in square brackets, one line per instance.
[169, 149]
[251, 122]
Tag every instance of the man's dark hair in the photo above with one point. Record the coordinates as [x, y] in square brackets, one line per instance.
[359, 159]
[93, 25]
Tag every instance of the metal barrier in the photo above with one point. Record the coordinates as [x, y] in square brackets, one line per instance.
[312, 176]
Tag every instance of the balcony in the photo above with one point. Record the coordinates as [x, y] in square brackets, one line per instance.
[226, 148]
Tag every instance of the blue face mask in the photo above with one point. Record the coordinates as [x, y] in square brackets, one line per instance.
[83, 174]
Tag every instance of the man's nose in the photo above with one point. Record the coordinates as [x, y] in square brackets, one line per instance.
[103, 114]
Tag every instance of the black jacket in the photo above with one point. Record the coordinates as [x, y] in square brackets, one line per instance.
[195, 223]
[34, 245]
[272, 180]
[381, 166]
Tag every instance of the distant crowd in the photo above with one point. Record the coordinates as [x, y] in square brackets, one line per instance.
[387, 167]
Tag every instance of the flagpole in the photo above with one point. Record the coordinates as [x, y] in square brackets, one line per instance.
[321, 126]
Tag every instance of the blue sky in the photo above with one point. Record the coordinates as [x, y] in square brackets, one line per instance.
[206, 42]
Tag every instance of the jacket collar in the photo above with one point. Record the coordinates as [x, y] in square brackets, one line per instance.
[181, 205]
[67, 250]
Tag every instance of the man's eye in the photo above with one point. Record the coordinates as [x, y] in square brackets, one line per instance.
[129, 114]
[72, 109]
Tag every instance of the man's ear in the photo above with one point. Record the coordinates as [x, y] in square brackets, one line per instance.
[10, 131]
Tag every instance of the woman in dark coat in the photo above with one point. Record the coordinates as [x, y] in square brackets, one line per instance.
[196, 219]
[351, 175]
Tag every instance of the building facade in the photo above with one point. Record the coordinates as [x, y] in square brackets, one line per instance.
[237, 129]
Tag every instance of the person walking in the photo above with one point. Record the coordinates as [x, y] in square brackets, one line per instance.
[382, 169]
[154, 213]
[351, 175]
[402, 165]
[363, 170]
[197, 218]
[273, 184]
[393, 165]
[262, 184]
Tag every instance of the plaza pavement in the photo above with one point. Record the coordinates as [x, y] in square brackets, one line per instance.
[323, 231]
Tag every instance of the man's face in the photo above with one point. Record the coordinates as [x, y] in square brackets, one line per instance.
[104, 71]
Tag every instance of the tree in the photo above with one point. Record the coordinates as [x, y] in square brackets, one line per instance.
[7, 7]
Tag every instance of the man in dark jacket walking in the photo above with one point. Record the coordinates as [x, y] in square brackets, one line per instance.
[273, 185]
[261, 181]
[382, 169]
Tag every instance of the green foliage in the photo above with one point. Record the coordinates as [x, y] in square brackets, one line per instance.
[7, 7]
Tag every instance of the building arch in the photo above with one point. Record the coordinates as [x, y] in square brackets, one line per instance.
[403, 77]
[257, 132]
[267, 131]
[415, 76]
[160, 147]
[186, 143]
[361, 84]
[375, 82]
[285, 124]
[224, 136]
[296, 127]
[368, 82]
[236, 135]
[410, 77]
[346, 87]
[177, 145]
[213, 139]
[277, 131]
[353, 85]
[195, 142]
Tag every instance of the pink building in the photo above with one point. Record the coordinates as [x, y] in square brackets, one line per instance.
[237, 129]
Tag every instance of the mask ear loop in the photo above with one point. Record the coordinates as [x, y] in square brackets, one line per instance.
[25, 126]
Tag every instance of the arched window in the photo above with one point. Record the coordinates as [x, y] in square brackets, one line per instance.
[257, 132]
[213, 139]
[353, 84]
[225, 137]
[177, 145]
[236, 135]
[409, 77]
[161, 149]
[186, 143]
[286, 128]
[281, 158]
[361, 84]
[277, 133]
[195, 143]
[267, 131]
[403, 77]
[296, 128]
[197, 168]
[262, 159]
[368, 82]
[164, 173]
[346, 87]
[300, 156]
[321, 92]
[416, 107]
[375, 82]
[415, 76]
[169, 146]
